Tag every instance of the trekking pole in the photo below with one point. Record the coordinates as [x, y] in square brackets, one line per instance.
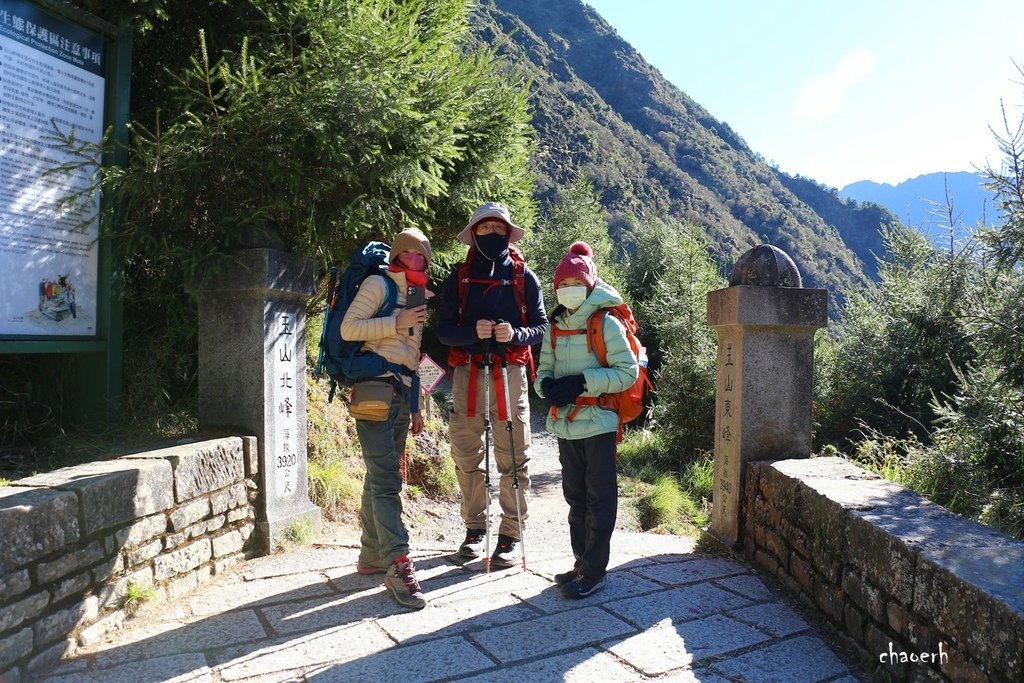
[512, 446]
[487, 455]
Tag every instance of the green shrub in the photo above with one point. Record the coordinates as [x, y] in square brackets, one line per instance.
[334, 486]
[136, 596]
[699, 478]
[667, 507]
[300, 531]
[669, 273]
[642, 454]
[1005, 511]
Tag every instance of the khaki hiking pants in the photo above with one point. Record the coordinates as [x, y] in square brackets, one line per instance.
[467, 441]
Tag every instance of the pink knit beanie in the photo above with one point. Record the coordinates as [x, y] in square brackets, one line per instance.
[577, 263]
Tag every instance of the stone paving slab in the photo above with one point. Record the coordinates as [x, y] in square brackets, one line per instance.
[550, 634]
[585, 666]
[667, 647]
[257, 593]
[184, 668]
[336, 645]
[747, 585]
[318, 614]
[804, 659]
[469, 615]
[676, 604]
[693, 676]
[682, 573]
[418, 662]
[169, 638]
[775, 618]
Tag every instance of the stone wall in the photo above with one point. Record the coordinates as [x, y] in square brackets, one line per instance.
[73, 540]
[897, 575]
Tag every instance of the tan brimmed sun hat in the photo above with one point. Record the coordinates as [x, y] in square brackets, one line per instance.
[491, 210]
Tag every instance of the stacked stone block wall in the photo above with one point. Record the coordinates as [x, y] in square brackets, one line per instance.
[891, 571]
[72, 541]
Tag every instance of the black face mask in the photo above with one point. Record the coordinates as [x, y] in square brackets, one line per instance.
[492, 247]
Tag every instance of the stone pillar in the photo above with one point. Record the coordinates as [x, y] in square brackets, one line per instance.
[765, 322]
[252, 373]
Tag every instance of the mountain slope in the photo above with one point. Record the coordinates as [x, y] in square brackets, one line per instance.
[603, 111]
[923, 202]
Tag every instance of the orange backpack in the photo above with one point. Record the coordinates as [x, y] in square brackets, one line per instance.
[629, 403]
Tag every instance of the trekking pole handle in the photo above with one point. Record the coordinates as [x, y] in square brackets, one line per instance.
[501, 346]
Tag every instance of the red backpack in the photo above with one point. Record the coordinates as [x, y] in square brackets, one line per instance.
[628, 403]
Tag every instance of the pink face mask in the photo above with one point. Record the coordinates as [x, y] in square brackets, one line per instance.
[412, 261]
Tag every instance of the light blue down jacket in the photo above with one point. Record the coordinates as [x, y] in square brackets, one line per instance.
[571, 357]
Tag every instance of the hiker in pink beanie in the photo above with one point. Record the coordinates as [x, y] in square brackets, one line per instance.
[573, 379]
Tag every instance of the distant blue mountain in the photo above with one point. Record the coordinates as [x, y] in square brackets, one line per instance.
[921, 202]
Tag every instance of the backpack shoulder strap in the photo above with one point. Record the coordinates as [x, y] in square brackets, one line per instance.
[519, 280]
[595, 336]
[462, 282]
[390, 296]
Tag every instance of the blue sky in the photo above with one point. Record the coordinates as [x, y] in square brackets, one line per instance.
[881, 90]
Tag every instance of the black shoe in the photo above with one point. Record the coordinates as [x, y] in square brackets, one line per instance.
[571, 575]
[582, 587]
[473, 544]
[507, 553]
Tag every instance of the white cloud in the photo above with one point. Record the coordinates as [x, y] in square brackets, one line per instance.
[821, 96]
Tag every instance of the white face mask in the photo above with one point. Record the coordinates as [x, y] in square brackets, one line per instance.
[571, 297]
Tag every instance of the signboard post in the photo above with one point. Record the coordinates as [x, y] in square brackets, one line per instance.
[63, 73]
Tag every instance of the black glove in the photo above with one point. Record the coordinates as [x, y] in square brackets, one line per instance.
[564, 390]
[545, 386]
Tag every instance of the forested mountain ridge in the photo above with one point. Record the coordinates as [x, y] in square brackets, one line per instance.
[924, 203]
[651, 151]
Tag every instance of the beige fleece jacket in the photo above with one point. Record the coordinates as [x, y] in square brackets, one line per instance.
[380, 333]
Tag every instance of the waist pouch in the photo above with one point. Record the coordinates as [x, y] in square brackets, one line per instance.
[371, 400]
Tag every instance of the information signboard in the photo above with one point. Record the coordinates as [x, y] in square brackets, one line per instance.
[52, 77]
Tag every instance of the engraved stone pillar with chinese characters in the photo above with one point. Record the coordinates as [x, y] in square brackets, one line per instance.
[252, 373]
[765, 322]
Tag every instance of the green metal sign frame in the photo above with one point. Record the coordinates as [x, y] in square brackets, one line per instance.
[99, 358]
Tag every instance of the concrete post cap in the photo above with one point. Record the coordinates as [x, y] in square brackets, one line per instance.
[765, 266]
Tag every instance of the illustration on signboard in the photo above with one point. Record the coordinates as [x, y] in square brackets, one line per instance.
[57, 298]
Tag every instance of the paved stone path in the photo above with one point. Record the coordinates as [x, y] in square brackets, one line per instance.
[668, 612]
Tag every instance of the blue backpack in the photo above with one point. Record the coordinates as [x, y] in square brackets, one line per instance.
[344, 360]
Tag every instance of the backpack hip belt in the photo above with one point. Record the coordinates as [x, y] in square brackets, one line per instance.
[517, 355]
[606, 401]
[474, 367]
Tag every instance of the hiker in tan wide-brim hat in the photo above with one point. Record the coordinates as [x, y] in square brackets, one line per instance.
[491, 312]
[491, 210]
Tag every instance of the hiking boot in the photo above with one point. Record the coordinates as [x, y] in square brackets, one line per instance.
[571, 575]
[474, 543]
[507, 552]
[401, 581]
[582, 586]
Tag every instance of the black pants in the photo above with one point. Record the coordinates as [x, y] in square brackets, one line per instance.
[591, 490]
